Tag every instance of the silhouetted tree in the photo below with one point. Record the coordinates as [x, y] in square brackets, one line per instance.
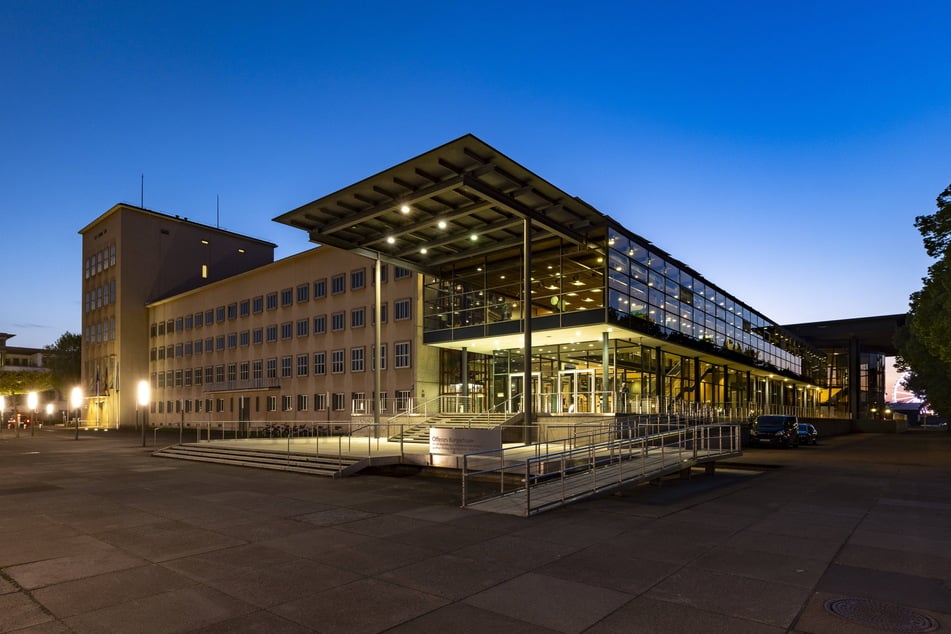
[924, 344]
[64, 359]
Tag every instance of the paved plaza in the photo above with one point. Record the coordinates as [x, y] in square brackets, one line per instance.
[96, 535]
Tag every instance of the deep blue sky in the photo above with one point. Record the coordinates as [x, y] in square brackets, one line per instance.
[781, 149]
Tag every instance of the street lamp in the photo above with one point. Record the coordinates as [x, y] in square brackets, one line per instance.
[76, 401]
[3, 410]
[49, 412]
[32, 400]
[142, 400]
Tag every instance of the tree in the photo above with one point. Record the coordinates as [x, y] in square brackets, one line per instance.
[924, 344]
[64, 359]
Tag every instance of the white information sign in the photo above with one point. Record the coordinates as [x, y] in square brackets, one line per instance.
[455, 441]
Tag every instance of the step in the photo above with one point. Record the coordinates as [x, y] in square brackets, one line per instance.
[329, 466]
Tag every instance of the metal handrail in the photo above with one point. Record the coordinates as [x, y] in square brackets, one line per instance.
[592, 459]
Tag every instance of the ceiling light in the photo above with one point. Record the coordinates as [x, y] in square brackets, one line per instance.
[405, 209]
[474, 237]
[423, 250]
[441, 224]
[390, 240]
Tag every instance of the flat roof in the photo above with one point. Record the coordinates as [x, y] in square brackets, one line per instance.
[876, 334]
[462, 200]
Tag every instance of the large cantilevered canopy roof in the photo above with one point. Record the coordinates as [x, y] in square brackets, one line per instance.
[458, 202]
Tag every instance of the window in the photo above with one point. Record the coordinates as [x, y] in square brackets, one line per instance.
[189, 321]
[320, 288]
[257, 335]
[271, 301]
[358, 318]
[197, 376]
[400, 273]
[320, 363]
[357, 359]
[220, 342]
[286, 367]
[337, 321]
[178, 350]
[220, 314]
[244, 308]
[209, 344]
[232, 372]
[401, 309]
[287, 296]
[161, 329]
[244, 338]
[302, 402]
[219, 374]
[287, 403]
[188, 377]
[303, 293]
[178, 378]
[232, 340]
[179, 324]
[272, 368]
[199, 320]
[303, 327]
[303, 364]
[339, 401]
[320, 402]
[336, 362]
[209, 317]
[382, 357]
[402, 400]
[232, 311]
[272, 403]
[320, 324]
[257, 370]
[358, 279]
[209, 375]
[402, 354]
[271, 333]
[244, 370]
[188, 348]
[257, 304]
[338, 284]
[383, 271]
[287, 329]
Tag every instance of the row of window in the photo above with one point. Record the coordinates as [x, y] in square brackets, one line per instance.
[271, 301]
[100, 297]
[272, 332]
[99, 262]
[289, 403]
[101, 331]
[301, 365]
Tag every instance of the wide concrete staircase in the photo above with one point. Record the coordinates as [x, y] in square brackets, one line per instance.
[419, 432]
[313, 464]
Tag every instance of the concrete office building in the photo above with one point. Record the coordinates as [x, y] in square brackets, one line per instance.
[131, 257]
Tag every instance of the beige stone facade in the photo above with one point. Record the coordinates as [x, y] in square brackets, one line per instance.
[288, 343]
[131, 257]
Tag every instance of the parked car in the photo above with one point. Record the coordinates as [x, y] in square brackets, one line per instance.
[808, 434]
[776, 430]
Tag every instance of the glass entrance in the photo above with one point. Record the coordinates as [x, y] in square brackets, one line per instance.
[576, 389]
[515, 390]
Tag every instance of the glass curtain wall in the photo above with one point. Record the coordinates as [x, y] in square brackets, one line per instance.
[614, 279]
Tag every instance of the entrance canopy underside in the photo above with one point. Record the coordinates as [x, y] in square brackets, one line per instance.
[452, 205]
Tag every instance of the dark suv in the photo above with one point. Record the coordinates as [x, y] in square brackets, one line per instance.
[782, 431]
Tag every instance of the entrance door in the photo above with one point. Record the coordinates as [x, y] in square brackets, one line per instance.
[515, 392]
[577, 391]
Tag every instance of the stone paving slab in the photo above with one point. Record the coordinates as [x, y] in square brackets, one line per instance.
[97, 536]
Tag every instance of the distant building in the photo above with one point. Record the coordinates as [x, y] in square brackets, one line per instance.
[21, 359]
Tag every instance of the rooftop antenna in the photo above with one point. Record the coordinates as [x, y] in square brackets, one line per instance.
[142, 191]
[217, 212]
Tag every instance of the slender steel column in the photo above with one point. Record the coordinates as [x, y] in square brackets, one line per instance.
[377, 294]
[528, 398]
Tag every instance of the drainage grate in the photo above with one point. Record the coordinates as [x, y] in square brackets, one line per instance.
[884, 616]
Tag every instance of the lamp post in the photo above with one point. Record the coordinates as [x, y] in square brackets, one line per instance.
[142, 400]
[76, 401]
[32, 400]
[3, 413]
